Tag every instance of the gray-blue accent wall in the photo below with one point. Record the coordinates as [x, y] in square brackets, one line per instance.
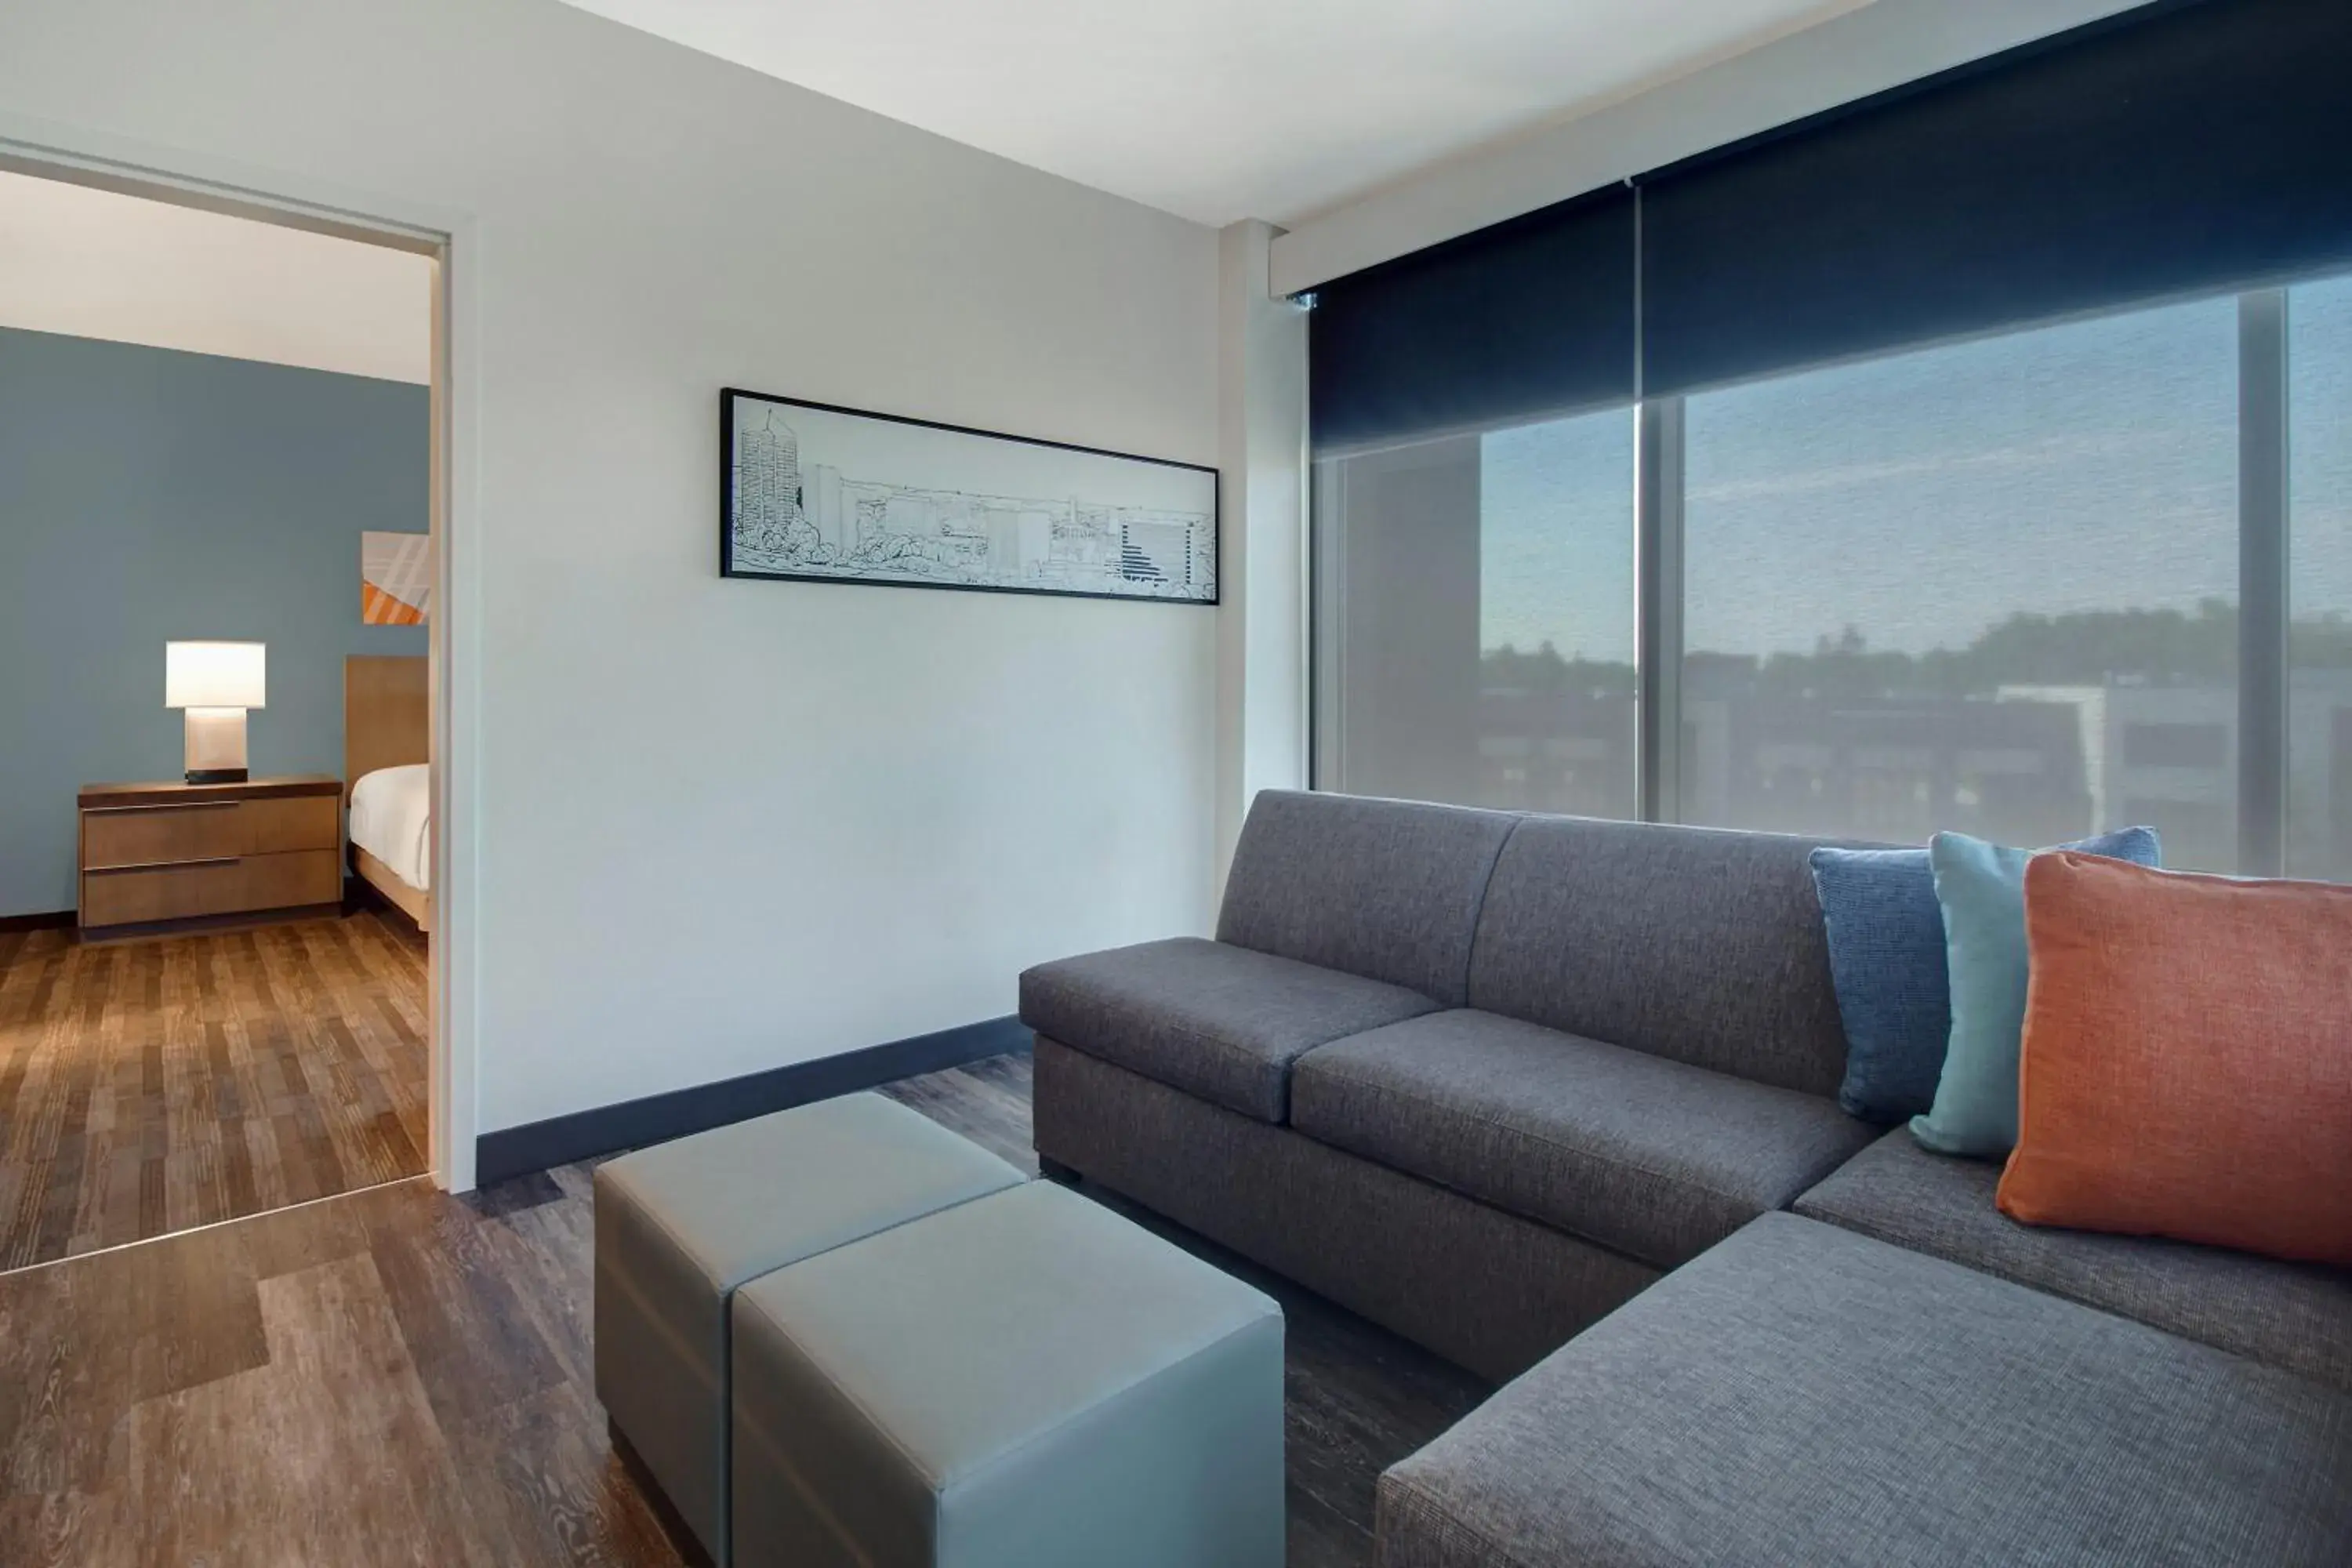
[147, 495]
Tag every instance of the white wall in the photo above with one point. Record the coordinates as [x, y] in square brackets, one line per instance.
[728, 825]
[99, 264]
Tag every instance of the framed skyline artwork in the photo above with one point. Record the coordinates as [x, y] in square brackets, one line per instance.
[814, 493]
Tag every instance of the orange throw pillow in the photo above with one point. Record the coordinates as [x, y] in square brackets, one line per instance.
[2187, 1069]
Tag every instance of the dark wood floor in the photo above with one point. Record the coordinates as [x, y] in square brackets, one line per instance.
[394, 1376]
[154, 1085]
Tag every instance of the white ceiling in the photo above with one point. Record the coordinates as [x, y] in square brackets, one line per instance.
[95, 264]
[1220, 110]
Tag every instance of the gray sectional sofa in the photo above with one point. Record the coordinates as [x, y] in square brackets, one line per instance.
[1487, 1078]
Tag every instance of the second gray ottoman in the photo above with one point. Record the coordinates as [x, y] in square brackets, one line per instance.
[681, 1225]
[1025, 1382]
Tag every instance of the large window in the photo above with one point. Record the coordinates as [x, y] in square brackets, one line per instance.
[1989, 587]
[1476, 619]
[1977, 455]
[2319, 662]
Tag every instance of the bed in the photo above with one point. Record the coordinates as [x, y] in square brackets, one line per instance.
[387, 747]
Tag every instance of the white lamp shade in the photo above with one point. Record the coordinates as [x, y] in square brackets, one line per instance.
[213, 675]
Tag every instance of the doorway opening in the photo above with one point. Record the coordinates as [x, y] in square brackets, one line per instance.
[225, 913]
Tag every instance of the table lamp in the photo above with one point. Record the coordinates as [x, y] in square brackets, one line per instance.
[215, 682]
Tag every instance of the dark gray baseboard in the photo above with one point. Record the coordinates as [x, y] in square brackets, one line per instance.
[518, 1150]
[43, 920]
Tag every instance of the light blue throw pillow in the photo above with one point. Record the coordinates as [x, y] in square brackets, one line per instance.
[1982, 887]
[1886, 935]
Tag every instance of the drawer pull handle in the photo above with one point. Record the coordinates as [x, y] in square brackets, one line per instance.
[173, 806]
[165, 865]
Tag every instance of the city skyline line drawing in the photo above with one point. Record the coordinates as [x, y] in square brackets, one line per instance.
[787, 515]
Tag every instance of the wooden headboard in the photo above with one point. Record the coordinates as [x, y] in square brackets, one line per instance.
[387, 715]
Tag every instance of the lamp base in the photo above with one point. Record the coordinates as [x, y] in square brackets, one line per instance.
[215, 749]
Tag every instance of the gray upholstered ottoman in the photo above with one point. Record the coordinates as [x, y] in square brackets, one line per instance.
[1028, 1381]
[680, 1226]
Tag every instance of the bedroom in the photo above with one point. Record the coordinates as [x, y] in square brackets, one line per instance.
[215, 499]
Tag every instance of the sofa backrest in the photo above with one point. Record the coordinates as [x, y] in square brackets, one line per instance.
[1388, 889]
[1698, 944]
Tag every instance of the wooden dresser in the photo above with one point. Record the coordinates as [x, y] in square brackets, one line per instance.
[154, 853]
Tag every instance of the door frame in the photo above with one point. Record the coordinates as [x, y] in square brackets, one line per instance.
[80, 156]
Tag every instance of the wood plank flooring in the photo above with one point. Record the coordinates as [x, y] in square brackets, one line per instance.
[152, 1085]
[394, 1376]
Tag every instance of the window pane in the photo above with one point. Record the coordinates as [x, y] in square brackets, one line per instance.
[1475, 618]
[1989, 587]
[2319, 585]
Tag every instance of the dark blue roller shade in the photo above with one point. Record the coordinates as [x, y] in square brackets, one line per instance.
[2176, 149]
[1526, 318]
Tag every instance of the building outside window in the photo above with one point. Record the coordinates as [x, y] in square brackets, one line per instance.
[1478, 618]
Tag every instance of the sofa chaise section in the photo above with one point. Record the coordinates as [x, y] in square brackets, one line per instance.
[2294, 1316]
[1802, 1394]
[1645, 1155]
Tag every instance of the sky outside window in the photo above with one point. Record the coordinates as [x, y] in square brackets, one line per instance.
[1556, 537]
[1923, 498]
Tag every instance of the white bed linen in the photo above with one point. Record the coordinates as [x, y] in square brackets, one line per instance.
[391, 819]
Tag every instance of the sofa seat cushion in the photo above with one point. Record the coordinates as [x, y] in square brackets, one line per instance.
[1804, 1394]
[2297, 1316]
[1655, 1158]
[1222, 1022]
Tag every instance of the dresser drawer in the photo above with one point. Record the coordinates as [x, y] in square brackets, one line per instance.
[150, 835]
[294, 822]
[157, 835]
[162, 892]
[283, 882]
[212, 887]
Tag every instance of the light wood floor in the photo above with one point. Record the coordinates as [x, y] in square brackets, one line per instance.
[152, 1085]
[394, 1376]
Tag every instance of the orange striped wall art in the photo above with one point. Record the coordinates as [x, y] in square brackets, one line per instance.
[395, 579]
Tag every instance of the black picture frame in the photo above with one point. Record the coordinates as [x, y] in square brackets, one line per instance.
[729, 396]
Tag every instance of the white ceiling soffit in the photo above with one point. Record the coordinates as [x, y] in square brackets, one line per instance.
[97, 264]
[1848, 55]
[1220, 110]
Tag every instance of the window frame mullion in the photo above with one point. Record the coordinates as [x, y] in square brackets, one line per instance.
[1658, 609]
[2263, 610]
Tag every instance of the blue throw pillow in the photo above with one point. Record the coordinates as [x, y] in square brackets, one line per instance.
[1981, 889]
[1886, 961]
